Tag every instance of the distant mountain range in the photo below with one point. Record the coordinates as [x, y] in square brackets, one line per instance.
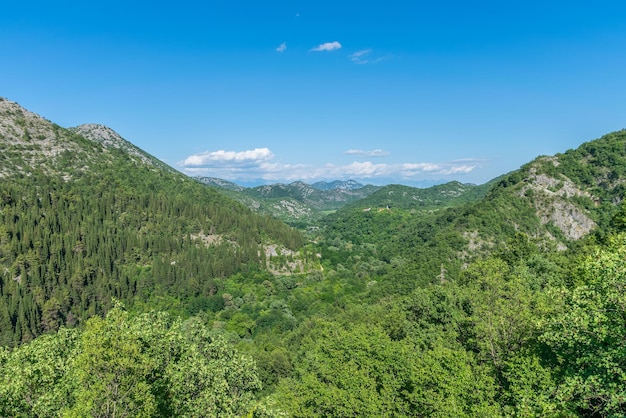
[337, 185]
[299, 203]
[296, 203]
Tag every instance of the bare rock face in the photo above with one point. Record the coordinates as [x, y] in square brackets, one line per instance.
[552, 204]
[28, 141]
[571, 220]
[111, 139]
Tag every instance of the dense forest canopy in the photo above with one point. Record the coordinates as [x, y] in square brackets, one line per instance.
[88, 223]
[127, 289]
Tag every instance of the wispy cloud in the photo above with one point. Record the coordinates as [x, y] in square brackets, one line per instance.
[328, 46]
[259, 165]
[360, 57]
[282, 47]
[372, 153]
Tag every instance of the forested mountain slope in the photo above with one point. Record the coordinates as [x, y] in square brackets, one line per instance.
[84, 220]
[552, 201]
[435, 197]
[512, 305]
[509, 305]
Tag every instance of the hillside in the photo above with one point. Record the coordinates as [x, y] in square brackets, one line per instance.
[435, 197]
[552, 201]
[111, 139]
[160, 295]
[85, 216]
[297, 203]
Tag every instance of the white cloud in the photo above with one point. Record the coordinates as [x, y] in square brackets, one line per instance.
[259, 165]
[282, 47]
[360, 57]
[372, 153]
[207, 158]
[328, 46]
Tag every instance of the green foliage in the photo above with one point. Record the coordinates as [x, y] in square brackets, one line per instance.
[587, 337]
[36, 378]
[112, 371]
[396, 196]
[150, 365]
[361, 371]
[448, 301]
[67, 248]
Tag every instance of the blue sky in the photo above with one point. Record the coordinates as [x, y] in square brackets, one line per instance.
[379, 91]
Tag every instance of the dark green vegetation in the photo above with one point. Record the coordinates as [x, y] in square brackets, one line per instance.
[509, 304]
[81, 224]
[148, 365]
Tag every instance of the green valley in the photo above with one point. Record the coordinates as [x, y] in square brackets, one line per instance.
[126, 286]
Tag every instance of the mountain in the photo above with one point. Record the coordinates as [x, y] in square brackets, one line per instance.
[337, 185]
[552, 202]
[406, 197]
[31, 143]
[111, 139]
[297, 203]
[220, 183]
[85, 216]
[505, 299]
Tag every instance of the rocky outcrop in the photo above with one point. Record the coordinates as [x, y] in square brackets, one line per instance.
[111, 139]
[551, 200]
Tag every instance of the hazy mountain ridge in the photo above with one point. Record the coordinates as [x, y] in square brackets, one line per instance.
[295, 201]
[434, 197]
[337, 185]
[219, 183]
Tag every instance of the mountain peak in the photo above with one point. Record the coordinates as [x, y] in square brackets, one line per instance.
[100, 133]
[28, 141]
[110, 139]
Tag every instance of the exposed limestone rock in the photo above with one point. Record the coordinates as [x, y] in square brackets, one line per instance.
[111, 139]
[294, 209]
[552, 206]
[208, 240]
[37, 140]
[29, 142]
[571, 220]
